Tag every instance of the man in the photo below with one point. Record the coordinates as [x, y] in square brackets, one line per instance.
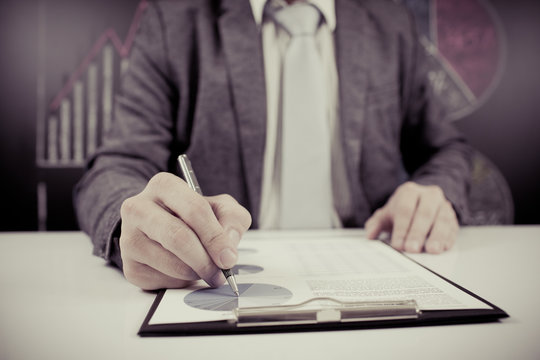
[212, 79]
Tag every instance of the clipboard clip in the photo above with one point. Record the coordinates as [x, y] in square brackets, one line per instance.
[326, 310]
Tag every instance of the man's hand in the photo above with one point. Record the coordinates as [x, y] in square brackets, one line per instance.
[172, 236]
[419, 217]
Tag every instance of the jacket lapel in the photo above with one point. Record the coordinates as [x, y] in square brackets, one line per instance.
[243, 55]
[352, 62]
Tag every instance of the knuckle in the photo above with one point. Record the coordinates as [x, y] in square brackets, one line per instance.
[369, 221]
[213, 240]
[196, 207]
[448, 214]
[447, 219]
[181, 270]
[128, 245]
[434, 193]
[175, 231]
[227, 208]
[424, 215]
[409, 186]
[240, 215]
[378, 213]
[176, 237]
[403, 208]
[437, 191]
[129, 207]
[226, 198]
[159, 180]
[133, 272]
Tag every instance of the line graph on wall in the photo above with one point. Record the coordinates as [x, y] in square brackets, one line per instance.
[71, 125]
[83, 50]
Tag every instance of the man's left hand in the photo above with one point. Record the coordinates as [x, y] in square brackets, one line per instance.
[419, 217]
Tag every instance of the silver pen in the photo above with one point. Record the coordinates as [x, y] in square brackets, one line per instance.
[189, 176]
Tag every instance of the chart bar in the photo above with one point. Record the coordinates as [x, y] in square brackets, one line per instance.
[108, 59]
[124, 66]
[78, 126]
[53, 140]
[65, 131]
[92, 108]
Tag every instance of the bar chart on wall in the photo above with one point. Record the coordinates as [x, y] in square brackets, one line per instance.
[83, 49]
[74, 122]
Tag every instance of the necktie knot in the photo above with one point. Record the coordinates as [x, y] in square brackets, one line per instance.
[298, 19]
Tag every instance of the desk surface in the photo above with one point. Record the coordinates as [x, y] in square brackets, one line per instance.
[60, 302]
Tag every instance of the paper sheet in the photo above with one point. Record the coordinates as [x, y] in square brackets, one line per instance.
[291, 270]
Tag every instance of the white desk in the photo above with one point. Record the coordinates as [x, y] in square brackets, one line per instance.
[60, 302]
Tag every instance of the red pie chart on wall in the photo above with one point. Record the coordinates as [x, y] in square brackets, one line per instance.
[466, 50]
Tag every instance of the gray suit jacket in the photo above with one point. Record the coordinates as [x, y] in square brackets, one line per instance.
[196, 85]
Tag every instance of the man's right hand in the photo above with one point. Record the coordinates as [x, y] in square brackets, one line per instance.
[172, 236]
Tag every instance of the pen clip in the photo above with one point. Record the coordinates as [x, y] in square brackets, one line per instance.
[188, 174]
[326, 310]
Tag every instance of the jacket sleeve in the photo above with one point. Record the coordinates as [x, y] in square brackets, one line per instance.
[434, 151]
[138, 144]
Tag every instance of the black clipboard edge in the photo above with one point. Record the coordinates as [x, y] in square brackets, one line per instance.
[427, 318]
[495, 309]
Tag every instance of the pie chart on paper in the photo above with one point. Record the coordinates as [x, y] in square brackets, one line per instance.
[251, 295]
[242, 269]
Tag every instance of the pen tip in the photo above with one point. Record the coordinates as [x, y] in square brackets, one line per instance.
[237, 294]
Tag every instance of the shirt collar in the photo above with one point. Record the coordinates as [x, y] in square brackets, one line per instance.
[327, 8]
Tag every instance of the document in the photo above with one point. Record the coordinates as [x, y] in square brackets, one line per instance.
[290, 268]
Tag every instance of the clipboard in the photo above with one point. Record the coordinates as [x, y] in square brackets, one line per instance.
[325, 314]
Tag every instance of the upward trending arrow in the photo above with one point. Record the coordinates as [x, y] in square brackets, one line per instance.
[123, 50]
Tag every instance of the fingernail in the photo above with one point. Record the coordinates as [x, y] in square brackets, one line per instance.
[228, 258]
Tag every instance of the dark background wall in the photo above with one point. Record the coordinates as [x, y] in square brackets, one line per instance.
[507, 126]
[50, 46]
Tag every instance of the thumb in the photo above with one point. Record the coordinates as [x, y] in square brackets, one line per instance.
[377, 223]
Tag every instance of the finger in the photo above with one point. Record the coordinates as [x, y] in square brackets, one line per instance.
[232, 216]
[172, 234]
[378, 222]
[444, 231]
[424, 216]
[403, 208]
[147, 278]
[143, 250]
[197, 213]
[451, 240]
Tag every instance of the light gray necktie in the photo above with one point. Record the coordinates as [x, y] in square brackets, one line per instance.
[306, 187]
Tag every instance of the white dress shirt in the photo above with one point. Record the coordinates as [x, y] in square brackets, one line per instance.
[275, 41]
